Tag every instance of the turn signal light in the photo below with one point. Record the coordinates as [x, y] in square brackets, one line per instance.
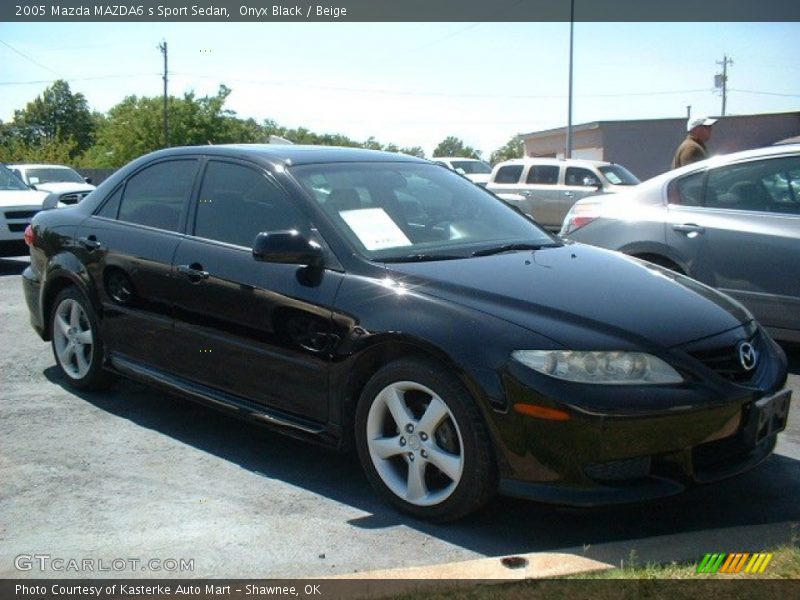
[542, 412]
[30, 238]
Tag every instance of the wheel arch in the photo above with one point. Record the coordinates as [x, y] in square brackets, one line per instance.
[65, 271]
[388, 349]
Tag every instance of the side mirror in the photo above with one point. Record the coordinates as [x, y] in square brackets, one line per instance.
[87, 179]
[460, 171]
[592, 182]
[287, 247]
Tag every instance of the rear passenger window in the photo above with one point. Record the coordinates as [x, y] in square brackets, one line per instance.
[110, 208]
[543, 175]
[687, 191]
[156, 195]
[238, 202]
[508, 174]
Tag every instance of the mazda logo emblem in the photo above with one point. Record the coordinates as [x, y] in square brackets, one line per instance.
[748, 356]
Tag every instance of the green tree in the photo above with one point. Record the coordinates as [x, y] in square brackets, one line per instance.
[135, 126]
[514, 148]
[413, 151]
[453, 146]
[56, 117]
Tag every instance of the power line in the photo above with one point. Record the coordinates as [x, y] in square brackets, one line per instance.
[764, 93]
[73, 79]
[432, 94]
[34, 61]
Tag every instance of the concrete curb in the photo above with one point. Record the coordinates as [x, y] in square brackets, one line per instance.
[535, 565]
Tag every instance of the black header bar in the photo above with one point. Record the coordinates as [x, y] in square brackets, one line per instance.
[399, 10]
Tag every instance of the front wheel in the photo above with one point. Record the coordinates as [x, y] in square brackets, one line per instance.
[423, 442]
[76, 341]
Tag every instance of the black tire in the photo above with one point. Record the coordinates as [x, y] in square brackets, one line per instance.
[442, 427]
[76, 341]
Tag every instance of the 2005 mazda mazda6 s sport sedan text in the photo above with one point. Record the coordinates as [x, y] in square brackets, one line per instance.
[375, 300]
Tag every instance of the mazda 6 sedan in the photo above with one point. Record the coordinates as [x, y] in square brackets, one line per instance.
[377, 301]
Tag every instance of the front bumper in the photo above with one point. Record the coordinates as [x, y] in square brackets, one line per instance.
[664, 439]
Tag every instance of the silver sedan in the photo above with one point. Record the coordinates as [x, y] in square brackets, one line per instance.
[732, 222]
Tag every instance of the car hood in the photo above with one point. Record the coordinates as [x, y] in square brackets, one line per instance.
[479, 177]
[10, 198]
[61, 187]
[580, 296]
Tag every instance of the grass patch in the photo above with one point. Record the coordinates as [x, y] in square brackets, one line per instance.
[676, 581]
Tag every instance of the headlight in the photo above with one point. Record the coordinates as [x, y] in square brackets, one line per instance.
[609, 368]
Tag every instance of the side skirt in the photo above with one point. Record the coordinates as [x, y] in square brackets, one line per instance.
[237, 406]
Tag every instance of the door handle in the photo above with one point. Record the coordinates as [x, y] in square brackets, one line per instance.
[568, 194]
[526, 193]
[689, 228]
[193, 272]
[90, 243]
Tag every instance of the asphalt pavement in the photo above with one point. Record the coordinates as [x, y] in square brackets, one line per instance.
[143, 484]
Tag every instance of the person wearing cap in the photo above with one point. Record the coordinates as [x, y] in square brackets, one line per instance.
[693, 148]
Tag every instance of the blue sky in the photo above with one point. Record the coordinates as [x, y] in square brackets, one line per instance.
[414, 83]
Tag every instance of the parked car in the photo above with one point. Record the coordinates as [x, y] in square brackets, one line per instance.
[550, 186]
[359, 297]
[732, 222]
[475, 170]
[58, 179]
[18, 204]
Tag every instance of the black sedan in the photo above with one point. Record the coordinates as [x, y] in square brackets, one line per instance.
[368, 299]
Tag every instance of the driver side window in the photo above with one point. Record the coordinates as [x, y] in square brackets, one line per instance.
[238, 202]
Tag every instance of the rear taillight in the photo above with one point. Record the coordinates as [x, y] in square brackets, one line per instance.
[578, 217]
[30, 237]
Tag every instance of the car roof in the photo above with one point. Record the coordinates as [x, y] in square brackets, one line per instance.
[724, 159]
[37, 166]
[573, 162]
[457, 158]
[291, 155]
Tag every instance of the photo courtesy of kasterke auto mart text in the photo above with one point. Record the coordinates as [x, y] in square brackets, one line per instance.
[376, 301]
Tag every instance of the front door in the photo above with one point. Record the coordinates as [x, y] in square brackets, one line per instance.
[257, 330]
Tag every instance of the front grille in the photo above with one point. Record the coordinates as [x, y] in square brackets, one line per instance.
[724, 360]
[17, 227]
[20, 214]
[72, 198]
[619, 470]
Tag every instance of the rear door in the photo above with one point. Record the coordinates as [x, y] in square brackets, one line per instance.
[738, 226]
[127, 246]
[257, 330]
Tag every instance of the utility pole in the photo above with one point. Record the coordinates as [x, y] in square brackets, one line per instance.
[163, 47]
[568, 152]
[721, 80]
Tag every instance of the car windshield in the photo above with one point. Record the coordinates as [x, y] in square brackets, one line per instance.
[619, 175]
[51, 174]
[472, 167]
[413, 211]
[9, 181]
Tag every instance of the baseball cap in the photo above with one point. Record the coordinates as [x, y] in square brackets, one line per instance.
[698, 121]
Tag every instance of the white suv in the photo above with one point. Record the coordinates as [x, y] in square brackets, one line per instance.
[473, 169]
[546, 188]
[18, 204]
[58, 179]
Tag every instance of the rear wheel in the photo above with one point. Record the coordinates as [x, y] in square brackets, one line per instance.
[423, 443]
[76, 341]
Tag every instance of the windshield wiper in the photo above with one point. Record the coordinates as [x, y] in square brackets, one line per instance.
[419, 258]
[514, 247]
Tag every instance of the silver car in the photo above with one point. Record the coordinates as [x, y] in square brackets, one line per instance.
[732, 222]
[550, 186]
